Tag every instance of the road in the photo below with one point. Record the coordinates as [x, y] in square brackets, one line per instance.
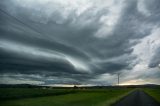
[137, 98]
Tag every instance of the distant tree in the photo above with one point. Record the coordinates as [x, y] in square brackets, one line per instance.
[75, 87]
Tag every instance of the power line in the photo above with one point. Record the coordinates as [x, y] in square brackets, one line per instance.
[15, 18]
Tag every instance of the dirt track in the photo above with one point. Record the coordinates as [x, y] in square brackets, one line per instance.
[137, 98]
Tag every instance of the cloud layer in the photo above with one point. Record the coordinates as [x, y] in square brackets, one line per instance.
[79, 42]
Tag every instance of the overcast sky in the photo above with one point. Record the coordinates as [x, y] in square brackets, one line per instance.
[86, 42]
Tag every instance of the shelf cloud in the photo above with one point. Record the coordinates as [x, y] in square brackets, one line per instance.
[79, 42]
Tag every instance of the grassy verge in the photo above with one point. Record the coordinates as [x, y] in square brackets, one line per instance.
[154, 92]
[90, 97]
[116, 99]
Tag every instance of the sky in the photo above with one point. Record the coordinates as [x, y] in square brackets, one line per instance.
[83, 42]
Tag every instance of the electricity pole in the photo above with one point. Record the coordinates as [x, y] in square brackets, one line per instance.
[118, 79]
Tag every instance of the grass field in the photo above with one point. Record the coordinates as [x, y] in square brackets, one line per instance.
[17, 93]
[60, 97]
[154, 92]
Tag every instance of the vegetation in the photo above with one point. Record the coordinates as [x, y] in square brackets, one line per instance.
[17, 93]
[154, 92]
[59, 97]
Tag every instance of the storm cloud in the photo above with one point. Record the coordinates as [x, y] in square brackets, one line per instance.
[79, 42]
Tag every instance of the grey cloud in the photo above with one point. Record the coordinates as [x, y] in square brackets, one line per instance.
[155, 61]
[72, 36]
[28, 65]
[29, 37]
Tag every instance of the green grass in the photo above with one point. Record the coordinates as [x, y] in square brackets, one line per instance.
[89, 97]
[154, 92]
[15, 93]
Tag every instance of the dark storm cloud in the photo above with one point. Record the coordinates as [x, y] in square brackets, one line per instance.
[29, 36]
[22, 64]
[65, 45]
[112, 67]
[155, 61]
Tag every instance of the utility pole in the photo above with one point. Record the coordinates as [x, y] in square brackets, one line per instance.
[118, 79]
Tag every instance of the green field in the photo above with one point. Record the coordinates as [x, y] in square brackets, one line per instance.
[60, 97]
[154, 92]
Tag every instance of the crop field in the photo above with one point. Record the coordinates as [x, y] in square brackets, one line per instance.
[61, 97]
